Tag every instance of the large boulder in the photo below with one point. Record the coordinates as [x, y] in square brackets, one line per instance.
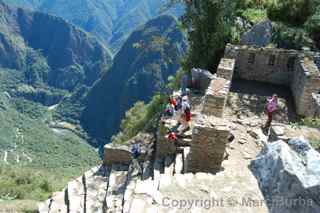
[260, 35]
[201, 79]
[289, 176]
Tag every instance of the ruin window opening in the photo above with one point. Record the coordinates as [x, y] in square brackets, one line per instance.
[272, 60]
[291, 62]
[252, 58]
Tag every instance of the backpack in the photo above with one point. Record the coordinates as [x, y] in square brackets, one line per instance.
[187, 108]
[136, 150]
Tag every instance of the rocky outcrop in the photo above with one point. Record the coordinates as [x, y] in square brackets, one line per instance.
[289, 176]
[201, 79]
[260, 35]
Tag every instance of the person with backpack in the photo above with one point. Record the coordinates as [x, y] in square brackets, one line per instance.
[169, 111]
[186, 115]
[172, 137]
[136, 152]
[271, 107]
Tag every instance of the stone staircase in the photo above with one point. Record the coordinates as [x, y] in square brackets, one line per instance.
[118, 188]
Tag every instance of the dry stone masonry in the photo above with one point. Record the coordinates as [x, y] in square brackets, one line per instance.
[315, 105]
[296, 69]
[216, 97]
[209, 139]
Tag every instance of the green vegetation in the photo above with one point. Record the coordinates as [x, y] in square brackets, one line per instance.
[37, 70]
[35, 160]
[138, 117]
[298, 23]
[19, 182]
[310, 122]
[209, 26]
[254, 15]
[140, 70]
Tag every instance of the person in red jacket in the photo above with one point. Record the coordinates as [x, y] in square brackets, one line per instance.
[173, 102]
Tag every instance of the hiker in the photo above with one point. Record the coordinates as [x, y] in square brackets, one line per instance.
[178, 103]
[136, 152]
[172, 136]
[169, 111]
[185, 117]
[271, 107]
[173, 101]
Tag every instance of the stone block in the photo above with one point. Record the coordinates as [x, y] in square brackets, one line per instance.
[117, 154]
[208, 144]
[226, 68]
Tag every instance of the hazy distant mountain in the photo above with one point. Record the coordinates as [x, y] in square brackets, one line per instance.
[142, 67]
[50, 51]
[111, 21]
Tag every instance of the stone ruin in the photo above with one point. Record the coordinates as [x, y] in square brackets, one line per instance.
[298, 70]
[210, 130]
[179, 172]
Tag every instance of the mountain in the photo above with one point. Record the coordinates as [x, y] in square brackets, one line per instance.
[150, 55]
[111, 21]
[42, 59]
[49, 49]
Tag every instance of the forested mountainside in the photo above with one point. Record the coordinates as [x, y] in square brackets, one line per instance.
[42, 59]
[111, 21]
[48, 50]
[142, 67]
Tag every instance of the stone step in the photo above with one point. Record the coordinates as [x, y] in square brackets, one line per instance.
[165, 180]
[75, 196]
[129, 191]
[186, 152]
[147, 169]
[178, 164]
[55, 204]
[96, 185]
[169, 165]
[116, 188]
[186, 134]
[157, 170]
[142, 203]
[184, 142]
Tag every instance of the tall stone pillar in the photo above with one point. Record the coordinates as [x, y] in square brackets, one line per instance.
[209, 139]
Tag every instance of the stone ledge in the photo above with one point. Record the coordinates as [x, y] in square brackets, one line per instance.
[117, 154]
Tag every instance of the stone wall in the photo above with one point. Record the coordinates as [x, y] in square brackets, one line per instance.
[226, 68]
[164, 146]
[209, 139]
[216, 97]
[296, 69]
[315, 105]
[306, 80]
[263, 64]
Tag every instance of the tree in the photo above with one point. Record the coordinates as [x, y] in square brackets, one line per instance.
[209, 27]
[292, 12]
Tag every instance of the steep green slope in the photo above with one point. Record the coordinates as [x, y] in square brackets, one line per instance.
[29, 148]
[49, 50]
[111, 21]
[41, 59]
[142, 67]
